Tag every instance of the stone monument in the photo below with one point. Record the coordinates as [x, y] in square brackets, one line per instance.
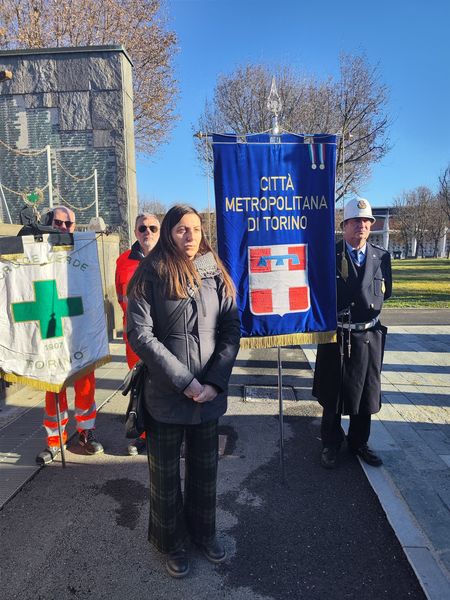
[66, 113]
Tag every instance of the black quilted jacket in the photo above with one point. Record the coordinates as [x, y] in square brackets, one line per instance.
[203, 343]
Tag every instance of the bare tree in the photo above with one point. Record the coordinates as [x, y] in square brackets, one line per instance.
[210, 226]
[402, 222]
[154, 207]
[354, 104]
[436, 223]
[419, 201]
[139, 25]
[419, 216]
[444, 191]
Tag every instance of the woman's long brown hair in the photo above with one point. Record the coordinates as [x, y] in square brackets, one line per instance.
[174, 270]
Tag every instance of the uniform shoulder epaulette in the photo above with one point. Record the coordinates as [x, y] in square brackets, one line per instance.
[378, 247]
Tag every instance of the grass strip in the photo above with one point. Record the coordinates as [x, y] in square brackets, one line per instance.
[420, 283]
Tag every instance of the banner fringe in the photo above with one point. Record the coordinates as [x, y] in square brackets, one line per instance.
[46, 386]
[289, 339]
[11, 257]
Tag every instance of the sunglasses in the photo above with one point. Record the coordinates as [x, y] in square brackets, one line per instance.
[152, 228]
[58, 223]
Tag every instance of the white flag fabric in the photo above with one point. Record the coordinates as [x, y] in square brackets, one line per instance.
[52, 319]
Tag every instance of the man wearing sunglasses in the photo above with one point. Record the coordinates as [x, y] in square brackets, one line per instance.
[63, 219]
[146, 230]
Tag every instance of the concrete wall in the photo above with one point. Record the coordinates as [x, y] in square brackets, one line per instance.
[80, 102]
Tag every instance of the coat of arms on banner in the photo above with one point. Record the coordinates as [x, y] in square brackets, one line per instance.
[278, 279]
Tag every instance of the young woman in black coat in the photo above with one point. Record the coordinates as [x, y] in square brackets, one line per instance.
[189, 351]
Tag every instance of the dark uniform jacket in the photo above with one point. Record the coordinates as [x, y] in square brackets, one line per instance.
[355, 387]
[203, 343]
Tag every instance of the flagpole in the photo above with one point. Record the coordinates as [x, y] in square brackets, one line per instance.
[281, 421]
[61, 443]
[274, 106]
[5, 203]
[49, 176]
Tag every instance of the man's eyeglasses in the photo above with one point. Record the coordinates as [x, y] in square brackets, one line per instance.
[58, 223]
[152, 228]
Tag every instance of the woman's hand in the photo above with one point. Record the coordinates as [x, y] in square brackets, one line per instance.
[193, 389]
[208, 393]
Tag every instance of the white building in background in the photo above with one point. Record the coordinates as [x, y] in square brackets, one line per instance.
[382, 235]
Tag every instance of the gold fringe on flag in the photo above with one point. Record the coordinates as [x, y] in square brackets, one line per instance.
[62, 248]
[46, 386]
[11, 257]
[289, 339]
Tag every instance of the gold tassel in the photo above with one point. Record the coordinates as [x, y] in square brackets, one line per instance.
[344, 267]
[290, 339]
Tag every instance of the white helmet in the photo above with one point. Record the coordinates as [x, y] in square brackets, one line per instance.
[358, 208]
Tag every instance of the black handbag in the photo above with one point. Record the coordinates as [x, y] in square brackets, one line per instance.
[134, 417]
[135, 380]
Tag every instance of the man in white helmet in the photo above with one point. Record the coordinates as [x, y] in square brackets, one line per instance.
[347, 374]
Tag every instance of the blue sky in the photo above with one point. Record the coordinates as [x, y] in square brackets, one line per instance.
[409, 40]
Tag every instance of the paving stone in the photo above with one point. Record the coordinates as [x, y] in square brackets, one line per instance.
[380, 437]
[446, 459]
[420, 489]
[436, 439]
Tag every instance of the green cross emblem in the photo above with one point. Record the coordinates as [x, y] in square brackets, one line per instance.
[48, 309]
[33, 197]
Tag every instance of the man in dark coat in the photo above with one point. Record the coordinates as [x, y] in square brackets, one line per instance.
[347, 374]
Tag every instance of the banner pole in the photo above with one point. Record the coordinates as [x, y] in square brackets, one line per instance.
[49, 176]
[280, 404]
[207, 189]
[5, 203]
[96, 193]
[61, 443]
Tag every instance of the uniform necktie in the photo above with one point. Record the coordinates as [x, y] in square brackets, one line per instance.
[355, 256]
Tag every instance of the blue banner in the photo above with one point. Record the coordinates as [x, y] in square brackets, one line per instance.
[275, 230]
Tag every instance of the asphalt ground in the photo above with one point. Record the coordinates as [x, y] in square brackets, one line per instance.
[416, 316]
[80, 532]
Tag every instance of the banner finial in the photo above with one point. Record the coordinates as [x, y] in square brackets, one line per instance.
[274, 106]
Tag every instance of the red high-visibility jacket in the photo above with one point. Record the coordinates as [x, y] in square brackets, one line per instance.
[126, 265]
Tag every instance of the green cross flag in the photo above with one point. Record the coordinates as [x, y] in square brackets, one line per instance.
[48, 309]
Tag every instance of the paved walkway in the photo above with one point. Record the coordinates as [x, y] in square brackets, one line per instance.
[411, 432]
[22, 436]
[412, 435]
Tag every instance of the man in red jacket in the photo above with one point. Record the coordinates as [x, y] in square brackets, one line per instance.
[146, 230]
